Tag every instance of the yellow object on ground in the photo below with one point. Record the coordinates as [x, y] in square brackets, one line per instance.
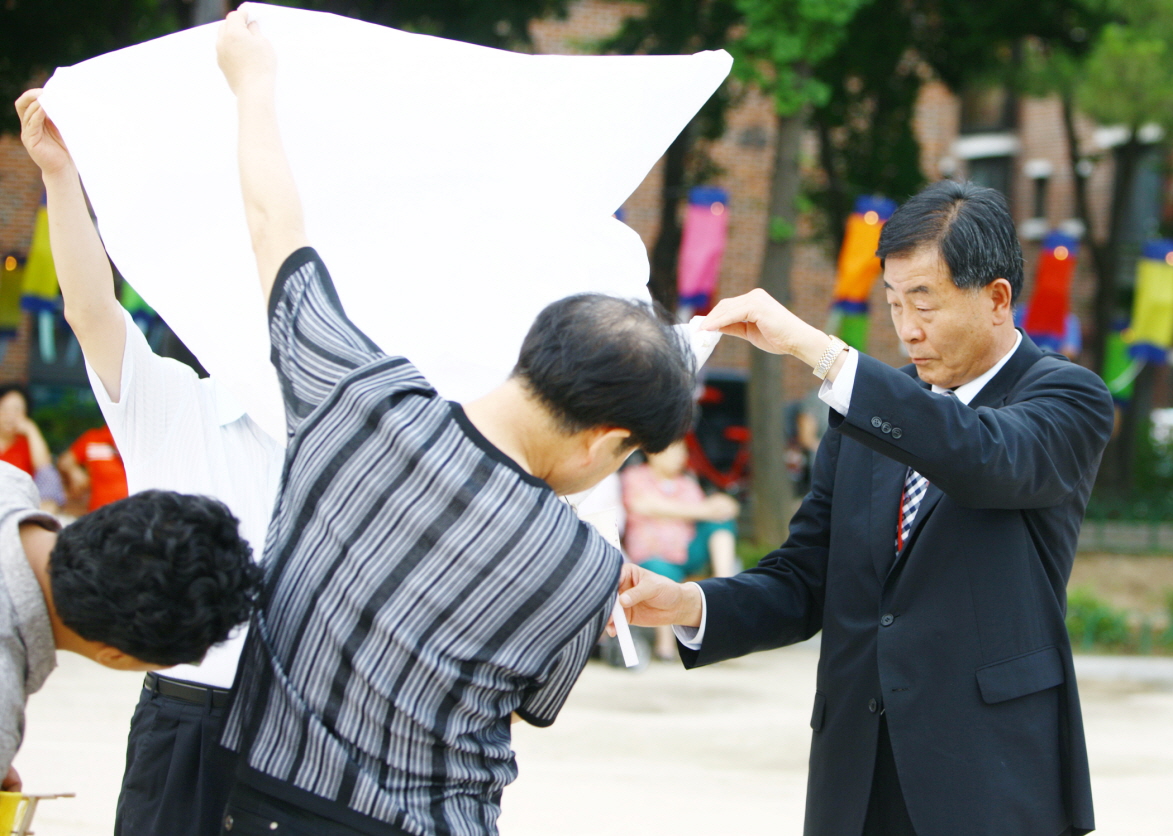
[17, 811]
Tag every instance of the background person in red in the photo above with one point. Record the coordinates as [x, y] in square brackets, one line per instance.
[93, 461]
[21, 442]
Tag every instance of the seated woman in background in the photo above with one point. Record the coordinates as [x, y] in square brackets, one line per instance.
[673, 529]
[23, 446]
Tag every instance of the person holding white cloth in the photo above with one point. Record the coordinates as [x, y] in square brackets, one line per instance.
[175, 432]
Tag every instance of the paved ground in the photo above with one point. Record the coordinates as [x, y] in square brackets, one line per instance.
[657, 753]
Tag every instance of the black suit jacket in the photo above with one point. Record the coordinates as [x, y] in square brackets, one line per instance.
[960, 639]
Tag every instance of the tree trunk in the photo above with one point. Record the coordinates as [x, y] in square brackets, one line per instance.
[1101, 263]
[772, 488]
[666, 250]
[1116, 468]
[838, 208]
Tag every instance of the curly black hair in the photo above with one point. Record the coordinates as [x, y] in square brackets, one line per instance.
[161, 576]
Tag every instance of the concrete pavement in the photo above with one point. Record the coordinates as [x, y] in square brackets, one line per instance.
[664, 752]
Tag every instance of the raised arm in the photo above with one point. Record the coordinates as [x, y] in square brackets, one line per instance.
[271, 202]
[83, 270]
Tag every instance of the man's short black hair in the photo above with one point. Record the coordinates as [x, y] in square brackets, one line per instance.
[969, 225]
[159, 575]
[598, 361]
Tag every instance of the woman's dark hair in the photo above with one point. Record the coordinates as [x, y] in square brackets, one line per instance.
[969, 225]
[159, 575]
[598, 361]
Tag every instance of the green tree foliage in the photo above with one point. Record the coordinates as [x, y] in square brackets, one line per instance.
[1092, 623]
[864, 128]
[37, 36]
[497, 23]
[782, 43]
[890, 48]
[1127, 79]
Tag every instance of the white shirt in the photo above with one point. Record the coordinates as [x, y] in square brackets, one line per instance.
[177, 432]
[837, 395]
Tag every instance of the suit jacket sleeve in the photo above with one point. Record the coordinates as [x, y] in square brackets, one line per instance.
[779, 601]
[1031, 451]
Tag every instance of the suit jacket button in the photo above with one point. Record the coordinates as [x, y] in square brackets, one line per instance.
[876, 421]
[886, 428]
[897, 432]
[872, 706]
[886, 619]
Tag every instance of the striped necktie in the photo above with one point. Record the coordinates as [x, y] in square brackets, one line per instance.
[915, 486]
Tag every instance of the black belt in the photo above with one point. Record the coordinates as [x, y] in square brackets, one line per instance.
[187, 691]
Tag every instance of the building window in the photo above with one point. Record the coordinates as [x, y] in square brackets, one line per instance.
[986, 109]
[993, 172]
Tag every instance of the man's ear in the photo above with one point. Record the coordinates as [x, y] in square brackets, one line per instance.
[115, 659]
[1001, 298]
[605, 441]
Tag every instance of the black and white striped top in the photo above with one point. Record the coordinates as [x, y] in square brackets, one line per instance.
[420, 586]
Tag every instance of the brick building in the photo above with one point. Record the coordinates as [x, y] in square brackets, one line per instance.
[1015, 145]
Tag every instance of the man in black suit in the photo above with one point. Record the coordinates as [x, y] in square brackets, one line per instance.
[933, 550]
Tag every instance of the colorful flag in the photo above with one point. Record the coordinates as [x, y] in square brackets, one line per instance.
[858, 268]
[1046, 317]
[1120, 370]
[39, 294]
[1151, 334]
[702, 245]
[40, 276]
[11, 283]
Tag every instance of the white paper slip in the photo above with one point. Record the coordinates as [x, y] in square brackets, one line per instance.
[606, 522]
[623, 633]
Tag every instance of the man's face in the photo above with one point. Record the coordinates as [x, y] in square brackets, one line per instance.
[949, 332]
[12, 412]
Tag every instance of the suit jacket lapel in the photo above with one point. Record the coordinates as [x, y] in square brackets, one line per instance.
[993, 394]
[887, 486]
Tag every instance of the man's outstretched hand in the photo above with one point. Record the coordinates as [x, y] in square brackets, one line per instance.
[650, 600]
[761, 320]
[40, 136]
[245, 55]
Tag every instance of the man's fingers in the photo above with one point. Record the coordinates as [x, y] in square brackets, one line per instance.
[737, 329]
[727, 312]
[26, 99]
[643, 589]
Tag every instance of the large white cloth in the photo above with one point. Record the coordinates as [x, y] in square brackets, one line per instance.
[453, 190]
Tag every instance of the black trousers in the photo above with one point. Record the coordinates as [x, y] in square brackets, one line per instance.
[177, 775]
[887, 815]
[251, 812]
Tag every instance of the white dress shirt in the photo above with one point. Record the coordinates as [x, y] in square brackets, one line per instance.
[178, 432]
[837, 395]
